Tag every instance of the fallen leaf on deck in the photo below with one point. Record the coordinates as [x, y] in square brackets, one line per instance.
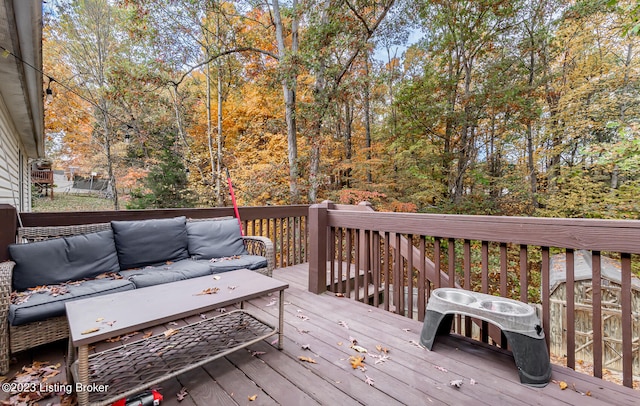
[306, 347]
[359, 348]
[340, 343]
[417, 344]
[406, 330]
[303, 317]
[353, 341]
[252, 398]
[254, 353]
[216, 277]
[182, 394]
[113, 339]
[380, 358]
[382, 349]
[307, 359]
[170, 332]
[173, 323]
[472, 381]
[301, 331]
[368, 380]
[231, 287]
[356, 362]
[563, 385]
[272, 302]
[208, 291]
[222, 310]
[344, 324]
[203, 316]
[339, 294]
[91, 330]
[439, 368]
[147, 334]
[456, 383]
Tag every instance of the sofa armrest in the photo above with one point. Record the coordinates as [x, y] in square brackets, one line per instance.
[6, 270]
[263, 246]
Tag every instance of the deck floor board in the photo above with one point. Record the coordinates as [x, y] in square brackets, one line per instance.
[412, 375]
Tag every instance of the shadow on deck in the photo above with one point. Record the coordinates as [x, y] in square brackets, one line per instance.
[326, 325]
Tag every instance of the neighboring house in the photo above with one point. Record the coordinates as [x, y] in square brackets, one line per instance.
[21, 98]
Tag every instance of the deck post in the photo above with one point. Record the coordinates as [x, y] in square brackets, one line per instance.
[8, 227]
[318, 246]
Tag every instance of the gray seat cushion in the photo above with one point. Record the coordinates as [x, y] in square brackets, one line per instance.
[65, 259]
[150, 242]
[41, 306]
[176, 271]
[243, 261]
[215, 238]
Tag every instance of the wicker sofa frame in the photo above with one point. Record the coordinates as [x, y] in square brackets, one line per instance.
[14, 339]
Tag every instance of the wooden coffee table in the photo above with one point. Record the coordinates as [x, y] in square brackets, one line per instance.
[113, 374]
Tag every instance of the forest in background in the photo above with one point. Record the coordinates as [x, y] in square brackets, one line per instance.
[523, 107]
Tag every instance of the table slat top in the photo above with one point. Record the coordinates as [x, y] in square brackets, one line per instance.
[97, 318]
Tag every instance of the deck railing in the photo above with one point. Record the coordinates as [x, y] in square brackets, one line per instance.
[395, 260]
[42, 176]
[285, 225]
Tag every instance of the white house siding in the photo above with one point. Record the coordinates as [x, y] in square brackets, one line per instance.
[15, 179]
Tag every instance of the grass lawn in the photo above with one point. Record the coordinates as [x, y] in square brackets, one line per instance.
[66, 202]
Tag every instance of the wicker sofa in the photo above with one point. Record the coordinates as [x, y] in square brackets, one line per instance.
[52, 265]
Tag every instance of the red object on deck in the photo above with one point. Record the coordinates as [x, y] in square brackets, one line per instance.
[233, 200]
[147, 398]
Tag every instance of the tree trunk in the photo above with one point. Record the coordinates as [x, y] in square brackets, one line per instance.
[289, 84]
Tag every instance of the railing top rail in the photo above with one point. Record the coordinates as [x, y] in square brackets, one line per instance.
[592, 234]
[74, 218]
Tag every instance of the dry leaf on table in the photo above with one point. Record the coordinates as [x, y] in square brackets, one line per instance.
[208, 291]
[91, 330]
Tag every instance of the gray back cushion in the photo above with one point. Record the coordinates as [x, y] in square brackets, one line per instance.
[215, 239]
[63, 259]
[150, 242]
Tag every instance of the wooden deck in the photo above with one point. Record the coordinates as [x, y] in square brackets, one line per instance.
[326, 325]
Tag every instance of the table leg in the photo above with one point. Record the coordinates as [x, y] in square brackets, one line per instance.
[281, 321]
[83, 374]
[71, 356]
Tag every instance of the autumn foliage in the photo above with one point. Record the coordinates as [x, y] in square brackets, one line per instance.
[510, 108]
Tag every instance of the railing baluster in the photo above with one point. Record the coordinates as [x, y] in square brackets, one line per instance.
[397, 283]
[467, 281]
[376, 268]
[596, 308]
[348, 264]
[627, 322]
[436, 261]
[340, 259]
[409, 276]
[484, 333]
[524, 277]
[503, 284]
[422, 280]
[358, 265]
[387, 271]
[546, 306]
[332, 257]
[570, 301]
